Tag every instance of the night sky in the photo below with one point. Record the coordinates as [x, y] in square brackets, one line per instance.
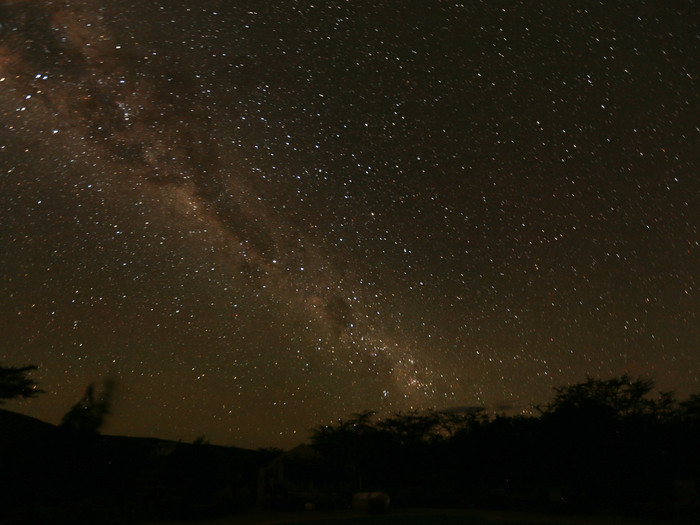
[257, 217]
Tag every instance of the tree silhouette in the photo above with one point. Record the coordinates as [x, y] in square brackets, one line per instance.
[690, 408]
[347, 447]
[88, 414]
[619, 396]
[14, 383]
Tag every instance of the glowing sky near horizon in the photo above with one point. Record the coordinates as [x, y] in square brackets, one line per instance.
[261, 216]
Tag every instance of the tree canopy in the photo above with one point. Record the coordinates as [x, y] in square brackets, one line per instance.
[15, 383]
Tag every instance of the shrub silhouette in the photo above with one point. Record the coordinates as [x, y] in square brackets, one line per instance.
[609, 444]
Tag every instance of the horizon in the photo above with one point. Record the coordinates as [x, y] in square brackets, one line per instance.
[490, 413]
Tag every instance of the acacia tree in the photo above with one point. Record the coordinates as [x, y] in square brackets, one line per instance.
[15, 383]
[347, 445]
[617, 397]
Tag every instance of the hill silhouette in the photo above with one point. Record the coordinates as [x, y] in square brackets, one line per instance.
[16, 427]
[52, 474]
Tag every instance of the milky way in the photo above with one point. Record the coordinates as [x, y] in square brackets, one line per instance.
[257, 217]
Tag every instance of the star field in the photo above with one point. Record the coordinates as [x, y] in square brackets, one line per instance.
[257, 217]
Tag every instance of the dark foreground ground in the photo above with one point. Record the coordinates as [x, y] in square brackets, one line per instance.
[420, 517]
